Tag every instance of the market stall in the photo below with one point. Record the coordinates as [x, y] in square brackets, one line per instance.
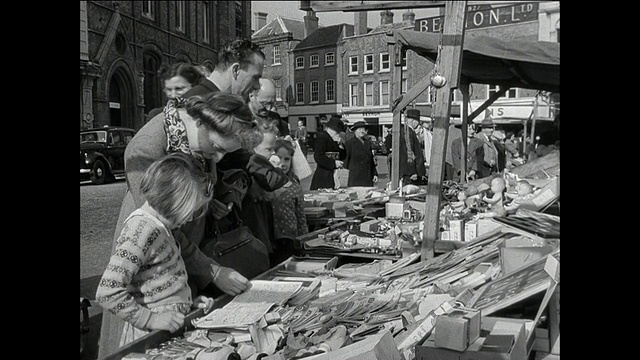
[484, 60]
[334, 308]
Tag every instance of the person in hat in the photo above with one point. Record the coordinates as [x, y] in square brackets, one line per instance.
[475, 155]
[423, 127]
[489, 164]
[359, 158]
[412, 169]
[327, 154]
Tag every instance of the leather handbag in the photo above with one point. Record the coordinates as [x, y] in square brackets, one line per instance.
[238, 249]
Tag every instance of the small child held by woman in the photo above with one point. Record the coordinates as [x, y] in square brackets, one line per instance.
[145, 282]
[288, 206]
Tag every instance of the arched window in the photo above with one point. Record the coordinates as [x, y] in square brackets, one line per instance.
[152, 88]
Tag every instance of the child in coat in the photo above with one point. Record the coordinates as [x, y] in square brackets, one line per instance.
[145, 282]
[288, 206]
[257, 213]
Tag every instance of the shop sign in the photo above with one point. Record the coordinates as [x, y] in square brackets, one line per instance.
[482, 17]
[515, 111]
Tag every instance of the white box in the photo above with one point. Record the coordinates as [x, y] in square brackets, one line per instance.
[456, 229]
[470, 230]
[445, 235]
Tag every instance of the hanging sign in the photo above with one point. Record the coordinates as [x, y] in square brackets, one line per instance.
[483, 17]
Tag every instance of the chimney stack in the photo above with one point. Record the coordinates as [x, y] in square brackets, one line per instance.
[261, 20]
[360, 22]
[386, 17]
[310, 23]
[409, 18]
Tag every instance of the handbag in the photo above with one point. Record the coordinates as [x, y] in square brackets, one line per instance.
[238, 249]
[341, 178]
[299, 163]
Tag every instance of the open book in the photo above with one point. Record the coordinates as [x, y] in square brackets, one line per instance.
[250, 306]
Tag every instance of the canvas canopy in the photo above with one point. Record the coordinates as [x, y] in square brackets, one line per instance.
[494, 61]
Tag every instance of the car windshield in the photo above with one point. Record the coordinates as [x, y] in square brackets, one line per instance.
[93, 136]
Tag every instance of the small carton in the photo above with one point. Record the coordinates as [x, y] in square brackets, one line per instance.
[456, 227]
[470, 230]
[458, 329]
[395, 207]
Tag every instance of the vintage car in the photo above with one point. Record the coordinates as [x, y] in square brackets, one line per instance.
[102, 153]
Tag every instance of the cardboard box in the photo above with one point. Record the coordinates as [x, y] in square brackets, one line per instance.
[371, 226]
[519, 251]
[510, 336]
[457, 330]
[470, 230]
[456, 229]
[395, 207]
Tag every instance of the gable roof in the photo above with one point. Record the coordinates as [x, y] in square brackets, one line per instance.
[326, 36]
[280, 25]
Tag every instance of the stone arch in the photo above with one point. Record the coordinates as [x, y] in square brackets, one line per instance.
[182, 56]
[121, 95]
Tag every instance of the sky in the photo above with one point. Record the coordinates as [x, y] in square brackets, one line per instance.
[290, 9]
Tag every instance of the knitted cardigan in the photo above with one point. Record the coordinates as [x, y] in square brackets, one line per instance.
[144, 271]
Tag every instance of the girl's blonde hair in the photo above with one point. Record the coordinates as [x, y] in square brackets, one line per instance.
[177, 188]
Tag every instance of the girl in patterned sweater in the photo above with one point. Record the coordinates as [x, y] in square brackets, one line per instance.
[145, 282]
[288, 206]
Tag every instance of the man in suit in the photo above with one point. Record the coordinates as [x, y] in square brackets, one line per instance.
[489, 164]
[475, 155]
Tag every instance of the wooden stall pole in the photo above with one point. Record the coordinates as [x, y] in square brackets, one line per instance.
[450, 59]
[464, 89]
[396, 88]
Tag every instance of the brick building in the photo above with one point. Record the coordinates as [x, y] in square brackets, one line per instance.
[368, 69]
[123, 43]
[368, 78]
[317, 76]
[277, 39]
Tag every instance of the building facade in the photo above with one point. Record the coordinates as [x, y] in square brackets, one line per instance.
[124, 43]
[368, 68]
[367, 79]
[317, 76]
[277, 39]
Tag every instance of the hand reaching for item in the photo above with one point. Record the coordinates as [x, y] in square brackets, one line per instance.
[229, 280]
[339, 164]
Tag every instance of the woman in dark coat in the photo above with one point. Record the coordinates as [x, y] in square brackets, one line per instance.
[359, 160]
[326, 142]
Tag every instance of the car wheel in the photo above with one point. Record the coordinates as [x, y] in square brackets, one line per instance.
[99, 173]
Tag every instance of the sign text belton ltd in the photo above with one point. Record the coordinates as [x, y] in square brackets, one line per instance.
[483, 17]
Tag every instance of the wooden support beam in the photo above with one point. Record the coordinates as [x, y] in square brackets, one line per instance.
[464, 89]
[450, 65]
[396, 86]
[347, 6]
[486, 104]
